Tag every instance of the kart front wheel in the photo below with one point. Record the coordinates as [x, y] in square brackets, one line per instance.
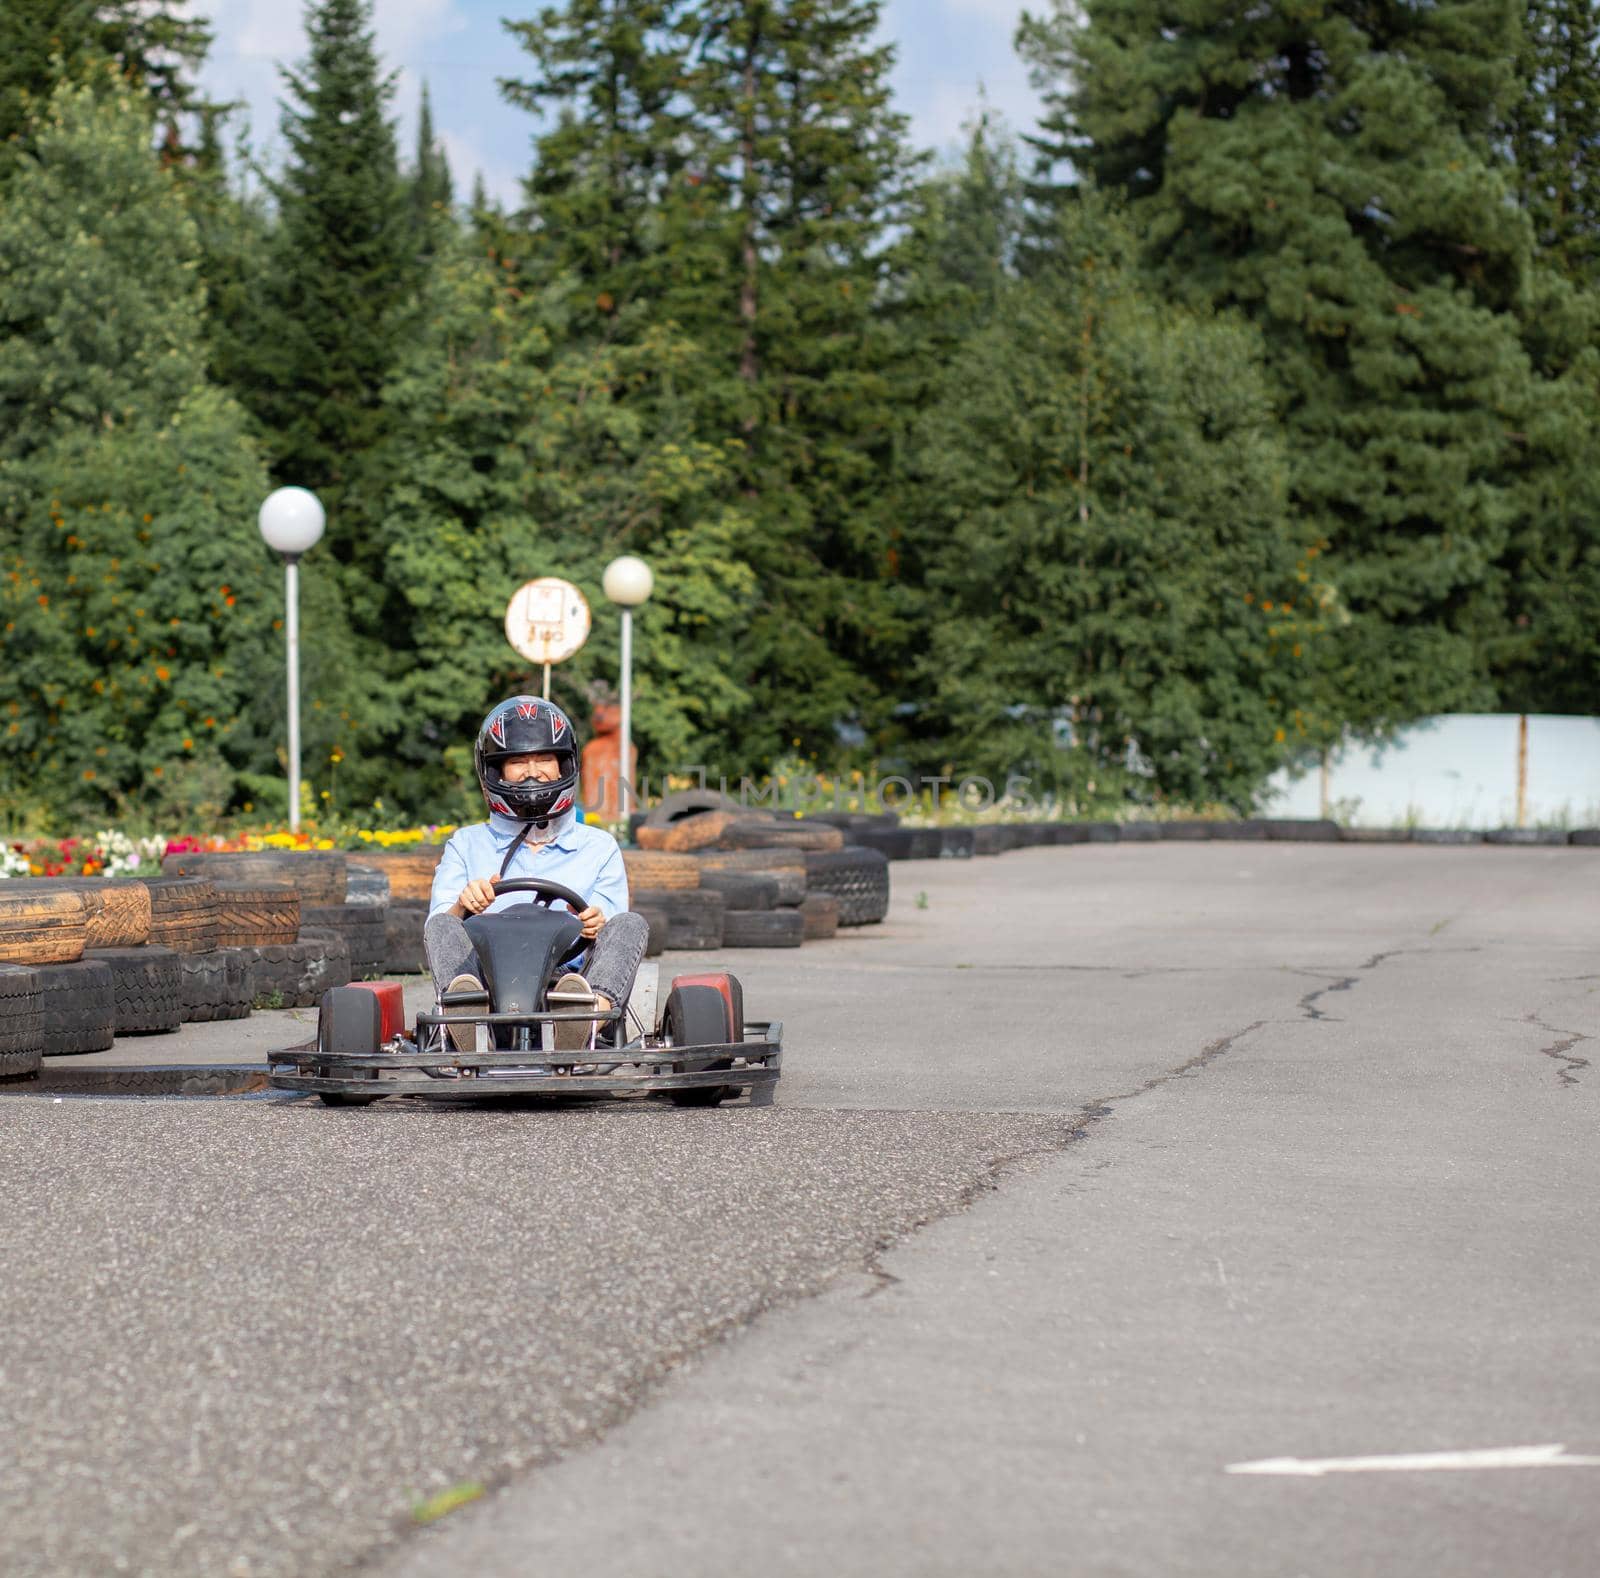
[697, 1016]
[341, 1098]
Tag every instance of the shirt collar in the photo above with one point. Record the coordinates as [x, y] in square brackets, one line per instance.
[506, 828]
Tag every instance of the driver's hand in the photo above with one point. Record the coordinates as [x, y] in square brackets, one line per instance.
[477, 896]
[593, 919]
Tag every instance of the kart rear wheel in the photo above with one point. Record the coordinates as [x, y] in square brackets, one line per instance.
[341, 1098]
[696, 1016]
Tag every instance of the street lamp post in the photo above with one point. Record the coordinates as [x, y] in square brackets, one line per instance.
[628, 583]
[291, 522]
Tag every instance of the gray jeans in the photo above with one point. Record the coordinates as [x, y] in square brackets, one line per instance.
[609, 964]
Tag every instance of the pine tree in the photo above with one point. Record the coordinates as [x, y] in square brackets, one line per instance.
[333, 297]
[431, 189]
[1553, 131]
[156, 49]
[611, 71]
[1330, 173]
[1105, 524]
[812, 178]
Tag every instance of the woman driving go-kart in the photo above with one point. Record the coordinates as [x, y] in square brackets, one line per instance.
[535, 963]
[527, 762]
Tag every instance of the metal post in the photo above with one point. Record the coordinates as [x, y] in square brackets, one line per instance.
[291, 600]
[547, 682]
[1522, 769]
[625, 744]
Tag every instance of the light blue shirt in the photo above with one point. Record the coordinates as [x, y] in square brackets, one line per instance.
[583, 858]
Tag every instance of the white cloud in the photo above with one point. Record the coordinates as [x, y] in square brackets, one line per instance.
[466, 160]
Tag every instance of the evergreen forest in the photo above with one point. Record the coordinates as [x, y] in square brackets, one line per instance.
[1245, 401]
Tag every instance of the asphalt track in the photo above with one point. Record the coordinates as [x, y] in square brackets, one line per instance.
[1094, 1172]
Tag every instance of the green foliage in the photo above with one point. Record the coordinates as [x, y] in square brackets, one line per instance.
[1330, 173]
[136, 596]
[332, 296]
[526, 456]
[1111, 552]
[154, 47]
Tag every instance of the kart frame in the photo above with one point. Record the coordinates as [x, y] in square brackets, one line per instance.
[426, 1064]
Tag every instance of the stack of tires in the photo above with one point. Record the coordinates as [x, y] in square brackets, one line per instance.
[776, 881]
[409, 872]
[273, 956]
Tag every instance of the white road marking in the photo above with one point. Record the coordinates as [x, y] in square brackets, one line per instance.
[1550, 1456]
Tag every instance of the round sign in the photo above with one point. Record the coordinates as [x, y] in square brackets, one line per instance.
[547, 620]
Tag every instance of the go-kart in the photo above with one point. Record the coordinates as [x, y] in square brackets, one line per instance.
[701, 1052]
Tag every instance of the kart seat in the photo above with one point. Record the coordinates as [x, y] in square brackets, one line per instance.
[519, 950]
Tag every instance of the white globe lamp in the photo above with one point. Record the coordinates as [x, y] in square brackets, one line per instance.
[291, 522]
[627, 582]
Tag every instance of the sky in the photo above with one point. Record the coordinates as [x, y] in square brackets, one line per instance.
[945, 50]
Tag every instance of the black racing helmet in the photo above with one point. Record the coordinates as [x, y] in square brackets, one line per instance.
[515, 727]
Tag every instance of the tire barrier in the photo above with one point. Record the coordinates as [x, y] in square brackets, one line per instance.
[42, 925]
[183, 914]
[364, 928]
[743, 890]
[296, 974]
[689, 802]
[820, 912]
[21, 1022]
[782, 928]
[659, 872]
[787, 865]
[694, 916]
[78, 1007]
[857, 877]
[317, 875]
[147, 987]
[365, 884]
[781, 835]
[219, 985]
[410, 871]
[119, 909]
[659, 928]
[255, 917]
[402, 938]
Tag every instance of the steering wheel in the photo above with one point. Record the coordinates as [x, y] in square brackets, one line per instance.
[542, 889]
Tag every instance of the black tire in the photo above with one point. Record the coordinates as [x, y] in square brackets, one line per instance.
[785, 928]
[364, 928]
[688, 802]
[1369, 835]
[1187, 832]
[820, 912]
[694, 915]
[365, 885]
[660, 928]
[183, 914]
[858, 878]
[986, 840]
[220, 985]
[1445, 835]
[255, 916]
[696, 1016]
[147, 984]
[1587, 836]
[296, 974]
[21, 1021]
[1527, 835]
[893, 843]
[742, 890]
[317, 875]
[765, 834]
[1302, 830]
[78, 1008]
[402, 939]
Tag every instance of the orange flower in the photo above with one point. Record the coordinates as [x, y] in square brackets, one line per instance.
[163, 674]
[188, 745]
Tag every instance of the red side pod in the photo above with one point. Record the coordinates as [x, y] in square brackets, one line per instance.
[720, 981]
[391, 1005]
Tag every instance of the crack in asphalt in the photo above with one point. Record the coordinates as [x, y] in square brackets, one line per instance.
[1561, 1050]
[1102, 1107]
[1343, 983]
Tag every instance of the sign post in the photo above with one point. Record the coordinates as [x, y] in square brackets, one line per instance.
[547, 620]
